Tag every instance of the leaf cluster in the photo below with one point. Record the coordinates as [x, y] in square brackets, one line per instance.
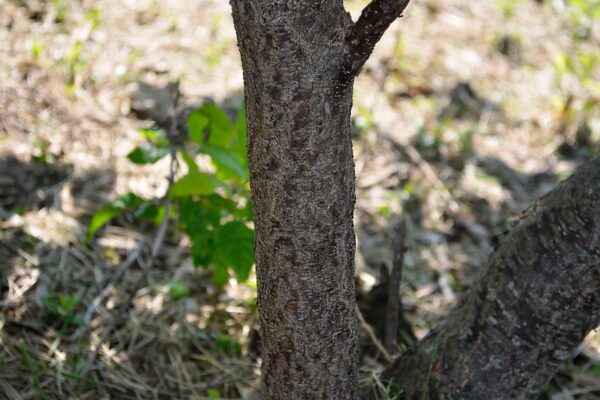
[212, 205]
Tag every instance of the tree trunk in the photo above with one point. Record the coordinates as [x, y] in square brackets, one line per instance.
[302, 179]
[533, 304]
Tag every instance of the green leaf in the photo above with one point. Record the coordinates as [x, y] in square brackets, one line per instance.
[221, 128]
[196, 217]
[127, 201]
[100, 218]
[178, 290]
[189, 161]
[220, 275]
[74, 320]
[225, 161]
[597, 369]
[211, 117]
[147, 154]
[246, 212]
[108, 212]
[68, 303]
[51, 304]
[197, 122]
[160, 215]
[238, 146]
[195, 183]
[203, 249]
[154, 135]
[62, 307]
[228, 344]
[240, 123]
[234, 244]
[148, 210]
[222, 203]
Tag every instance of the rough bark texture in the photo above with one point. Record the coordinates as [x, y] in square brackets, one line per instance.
[533, 304]
[302, 179]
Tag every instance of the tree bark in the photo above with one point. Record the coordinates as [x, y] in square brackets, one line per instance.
[302, 179]
[533, 304]
[299, 60]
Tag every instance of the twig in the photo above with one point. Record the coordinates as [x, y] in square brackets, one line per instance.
[172, 134]
[365, 325]
[4, 214]
[431, 176]
[162, 230]
[131, 258]
[393, 304]
[444, 275]
[32, 370]
[9, 391]
[20, 252]
[113, 324]
[366, 32]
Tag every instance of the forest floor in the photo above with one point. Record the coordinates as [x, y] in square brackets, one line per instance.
[466, 113]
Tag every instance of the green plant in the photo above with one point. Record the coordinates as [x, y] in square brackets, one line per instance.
[228, 345]
[581, 66]
[36, 49]
[178, 290]
[33, 370]
[94, 17]
[583, 14]
[434, 354]
[387, 390]
[73, 61]
[508, 7]
[445, 137]
[212, 205]
[62, 308]
[597, 369]
[581, 63]
[577, 72]
[61, 9]
[41, 155]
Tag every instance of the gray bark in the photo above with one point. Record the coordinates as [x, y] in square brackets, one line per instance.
[302, 179]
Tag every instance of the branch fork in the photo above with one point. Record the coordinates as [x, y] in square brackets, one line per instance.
[362, 37]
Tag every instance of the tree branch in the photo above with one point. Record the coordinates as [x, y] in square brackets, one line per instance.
[393, 304]
[532, 305]
[366, 32]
